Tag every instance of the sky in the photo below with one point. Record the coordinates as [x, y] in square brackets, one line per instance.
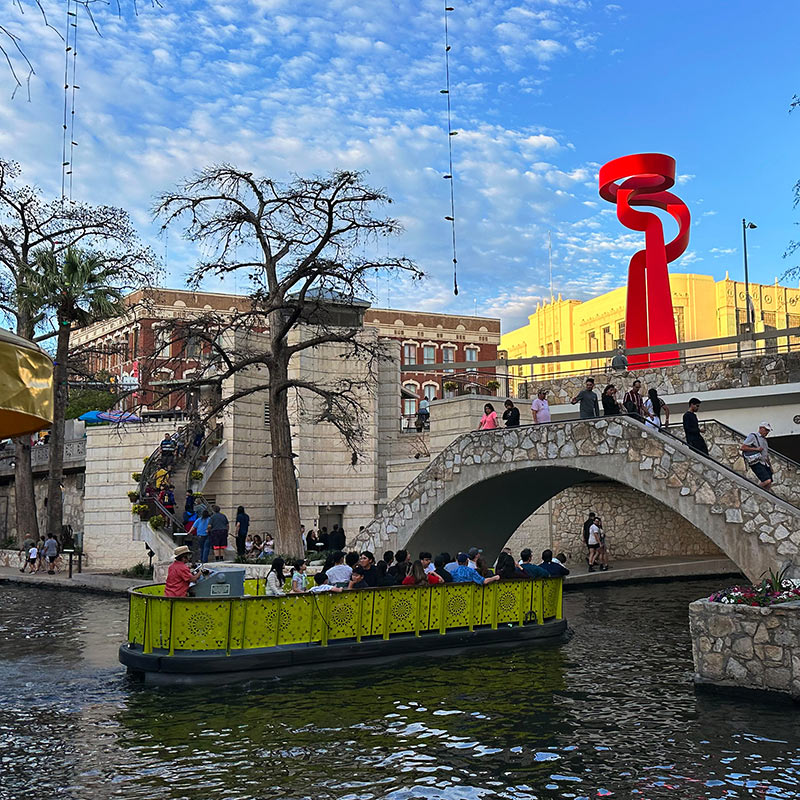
[543, 92]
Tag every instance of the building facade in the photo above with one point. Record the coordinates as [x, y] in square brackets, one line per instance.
[703, 309]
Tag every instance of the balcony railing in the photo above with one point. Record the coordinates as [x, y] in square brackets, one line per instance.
[74, 451]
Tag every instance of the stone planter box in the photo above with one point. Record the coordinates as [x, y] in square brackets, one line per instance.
[747, 647]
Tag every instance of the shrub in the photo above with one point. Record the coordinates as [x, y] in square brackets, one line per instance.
[136, 476]
[197, 475]
[450, 386]
[156, 522]
[133, 497]
[139, 508]
[138, 571]
[9, 543]
[493, 386]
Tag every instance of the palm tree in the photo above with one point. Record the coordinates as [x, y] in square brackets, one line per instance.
[77, 287]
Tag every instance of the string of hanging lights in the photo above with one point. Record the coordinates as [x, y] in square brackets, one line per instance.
[450, 134]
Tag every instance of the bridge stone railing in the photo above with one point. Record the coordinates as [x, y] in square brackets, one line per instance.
[724, 445]
[74, 453]
[693, 378]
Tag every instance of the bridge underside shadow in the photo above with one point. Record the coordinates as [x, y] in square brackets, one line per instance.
[486, 514]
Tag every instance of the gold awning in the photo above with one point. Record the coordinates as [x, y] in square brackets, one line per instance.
[26, 386]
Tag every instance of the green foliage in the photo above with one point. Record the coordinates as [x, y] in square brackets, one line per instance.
[136, 476]
[139, 508]
[138, 571]
[83, 400]
[774, 581]
[9, 543]
[156, 522]
[492, 386]
[133, 496]
[450, 386]
[197, 475]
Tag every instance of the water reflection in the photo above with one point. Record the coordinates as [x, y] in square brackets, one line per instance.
[612, 711]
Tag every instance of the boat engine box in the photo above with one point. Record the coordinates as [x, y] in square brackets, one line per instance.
[221, 582]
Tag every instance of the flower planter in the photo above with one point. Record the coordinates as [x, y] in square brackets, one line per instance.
[747, 647]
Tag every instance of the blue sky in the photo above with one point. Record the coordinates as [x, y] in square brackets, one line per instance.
[544, 91]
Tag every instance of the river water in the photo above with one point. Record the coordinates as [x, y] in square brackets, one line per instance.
[611, 713]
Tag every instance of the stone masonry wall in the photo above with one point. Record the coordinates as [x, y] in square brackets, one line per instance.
[73, 504]
[636, 526]
[746, 646]
[695, 378]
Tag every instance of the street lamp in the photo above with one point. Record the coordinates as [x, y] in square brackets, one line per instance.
[750, 321]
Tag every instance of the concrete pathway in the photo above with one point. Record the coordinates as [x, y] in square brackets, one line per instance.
[80, 582]
[656, 569]
[640, 569]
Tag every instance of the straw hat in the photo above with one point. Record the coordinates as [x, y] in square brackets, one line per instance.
[181, 551]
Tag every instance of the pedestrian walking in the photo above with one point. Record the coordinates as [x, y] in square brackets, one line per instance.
[756, 453]
[511, 415]
[242, 527]
[586, 525]
[540, 408]
[611, 407]
[33, 555]
[589, 407]
[632, 401]
[691, 428]
[602, 552]
[168, 447]
[201, 543]
[654, 409]
[594, 543]
[489, 419]
[51, 553]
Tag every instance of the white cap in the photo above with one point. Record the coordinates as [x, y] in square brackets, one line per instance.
[765, 425]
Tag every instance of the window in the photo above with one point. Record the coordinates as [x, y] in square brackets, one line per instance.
[471, 354]
[680, 331]
[608, 339]
[621, 332]
[448, 356]
[409, 403]
[430, 391]
[192, 347]
[429, 354]
[266, 414]
[409, 354]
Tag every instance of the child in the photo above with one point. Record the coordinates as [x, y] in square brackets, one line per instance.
[248, 546]
[299, 577]
[33, 555]
[321, 584]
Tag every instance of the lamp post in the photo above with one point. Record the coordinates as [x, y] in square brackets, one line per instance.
[750, 321]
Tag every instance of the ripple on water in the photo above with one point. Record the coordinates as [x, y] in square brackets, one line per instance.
[612, 713]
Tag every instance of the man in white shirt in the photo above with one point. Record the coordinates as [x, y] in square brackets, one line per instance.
[756, 453]
[540, 408]
[339, 572]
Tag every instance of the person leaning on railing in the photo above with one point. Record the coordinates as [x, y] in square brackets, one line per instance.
[465, 574]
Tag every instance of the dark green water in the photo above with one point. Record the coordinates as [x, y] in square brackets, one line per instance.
[611, 713]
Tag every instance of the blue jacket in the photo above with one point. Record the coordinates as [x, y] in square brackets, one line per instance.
[465, 574]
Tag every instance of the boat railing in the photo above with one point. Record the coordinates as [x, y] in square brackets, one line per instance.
[169, 625]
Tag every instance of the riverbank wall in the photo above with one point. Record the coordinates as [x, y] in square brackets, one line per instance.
[747, 647]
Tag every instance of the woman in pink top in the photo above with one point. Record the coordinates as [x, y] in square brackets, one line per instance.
[489, 418]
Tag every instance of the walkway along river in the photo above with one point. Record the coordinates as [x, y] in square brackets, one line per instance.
[612, 711]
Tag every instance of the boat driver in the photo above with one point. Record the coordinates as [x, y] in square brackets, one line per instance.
[179, 575]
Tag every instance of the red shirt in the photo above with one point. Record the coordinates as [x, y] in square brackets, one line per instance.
[179, 576]
[432, 578]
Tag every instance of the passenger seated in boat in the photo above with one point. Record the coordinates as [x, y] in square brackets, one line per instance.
[384, 578]
[507, 567]
[553, 568]
[275, 579]
[337, 571]
[299, 577]
[321, 584]
[440, 569]
[465, 574]
[418, 576]
[529, 568]
[357, 579]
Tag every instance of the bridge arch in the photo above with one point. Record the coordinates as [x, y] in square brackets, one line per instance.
[486, 483]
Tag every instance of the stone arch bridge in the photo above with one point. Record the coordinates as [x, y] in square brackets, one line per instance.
[486, 483]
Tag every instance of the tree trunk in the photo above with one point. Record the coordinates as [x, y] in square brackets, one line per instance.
[24, 496]
[55, 492]
[284, 483]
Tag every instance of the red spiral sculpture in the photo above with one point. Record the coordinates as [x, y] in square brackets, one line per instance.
[643, 180]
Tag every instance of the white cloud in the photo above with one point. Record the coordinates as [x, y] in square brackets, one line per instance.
[717, 252]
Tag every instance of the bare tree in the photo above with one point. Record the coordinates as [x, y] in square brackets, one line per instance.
[15, 51]
[302, 247]
[29, 222]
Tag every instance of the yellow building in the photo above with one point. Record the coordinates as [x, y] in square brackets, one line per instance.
[704, 309]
